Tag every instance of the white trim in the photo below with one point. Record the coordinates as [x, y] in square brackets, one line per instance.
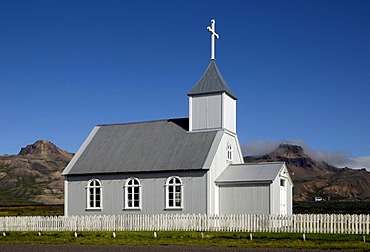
[80, 150]
[223, 119]
[126, 186]
[66, 197]
[271, 199]
[208, 192]
[190, 113]
[213, 150]
[167, 185]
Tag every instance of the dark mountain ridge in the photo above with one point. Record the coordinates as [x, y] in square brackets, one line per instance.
[34, 175]
[313, 178]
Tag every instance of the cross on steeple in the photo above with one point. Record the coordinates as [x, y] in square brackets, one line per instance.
[214, 35]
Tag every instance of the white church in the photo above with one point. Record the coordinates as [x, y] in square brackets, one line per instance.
[190, 165]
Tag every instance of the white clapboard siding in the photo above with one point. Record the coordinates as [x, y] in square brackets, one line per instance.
[299, 223]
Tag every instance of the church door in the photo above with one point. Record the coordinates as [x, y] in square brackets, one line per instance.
[283, 196]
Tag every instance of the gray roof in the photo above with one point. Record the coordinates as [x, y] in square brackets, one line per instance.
[250, 172]
[142, 147]
[211, 82]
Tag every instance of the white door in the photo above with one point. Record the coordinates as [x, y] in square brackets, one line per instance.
[282, 197]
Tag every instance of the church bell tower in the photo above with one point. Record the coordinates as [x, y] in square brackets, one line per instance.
[212, 105]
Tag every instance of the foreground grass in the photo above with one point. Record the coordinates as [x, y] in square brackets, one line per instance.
[232, 239]
[32, 210]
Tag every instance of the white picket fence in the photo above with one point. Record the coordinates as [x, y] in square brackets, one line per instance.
[321, 223]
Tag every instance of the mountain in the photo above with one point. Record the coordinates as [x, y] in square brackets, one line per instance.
[313, 178]
[34, 175]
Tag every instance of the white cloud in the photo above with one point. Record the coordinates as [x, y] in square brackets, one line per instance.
[362, 162]
[337, 158]
[264, 147]
[259, 148]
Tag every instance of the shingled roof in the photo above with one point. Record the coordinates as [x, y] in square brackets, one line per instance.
[143, 147]
[211, 82]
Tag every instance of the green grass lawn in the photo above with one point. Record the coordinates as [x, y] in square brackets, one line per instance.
[232, 239]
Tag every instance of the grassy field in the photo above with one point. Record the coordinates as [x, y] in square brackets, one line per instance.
[33, 210]
[332, 207]
[266, 240]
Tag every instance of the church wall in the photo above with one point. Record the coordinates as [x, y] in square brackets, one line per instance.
[289, 189]
[206, 112]
[217, 167]
[153, 193]
[275, 196]
[245, 199]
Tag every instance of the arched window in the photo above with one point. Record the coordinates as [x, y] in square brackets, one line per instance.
[94, 194]
[229, 149]
[174, 193]
[132, 194]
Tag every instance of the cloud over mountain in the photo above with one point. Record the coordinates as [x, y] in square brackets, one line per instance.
[337, 158]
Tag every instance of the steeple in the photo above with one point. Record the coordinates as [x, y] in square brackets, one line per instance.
[211, 82]
[212, 104]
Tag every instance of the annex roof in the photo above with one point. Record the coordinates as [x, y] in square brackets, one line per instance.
[211, 82]
[250, 172]
[142, 147]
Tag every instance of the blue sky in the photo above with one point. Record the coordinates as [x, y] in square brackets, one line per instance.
[300, 69]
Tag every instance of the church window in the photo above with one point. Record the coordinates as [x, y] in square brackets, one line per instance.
[94, 194]
[229, 149]
[133, 194]
[174, 193]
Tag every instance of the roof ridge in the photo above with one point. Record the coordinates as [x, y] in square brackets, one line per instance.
[150, 121]
[259, 163]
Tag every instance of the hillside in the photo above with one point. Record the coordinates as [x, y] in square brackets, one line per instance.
[34, 175]
[314, 178]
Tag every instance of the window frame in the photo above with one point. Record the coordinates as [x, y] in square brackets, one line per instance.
[229, 152]
[92, 184]
[282, 182]
[127, 193]
[172, 186]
